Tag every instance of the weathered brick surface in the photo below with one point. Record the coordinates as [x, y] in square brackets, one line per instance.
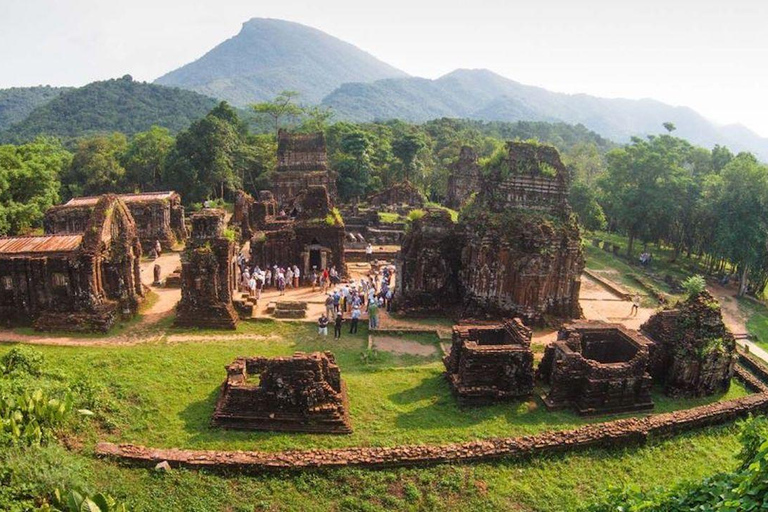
[618, 433]
[404, 193]
[464, 178]
[490, 362]
[598, 368]
[302, 162]
[302, 393]
[694, 352]
[207, 275]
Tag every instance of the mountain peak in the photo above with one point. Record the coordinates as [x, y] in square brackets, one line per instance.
[270, 55]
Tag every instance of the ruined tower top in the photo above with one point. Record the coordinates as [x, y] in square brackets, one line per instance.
[301, 152]
[208, 223]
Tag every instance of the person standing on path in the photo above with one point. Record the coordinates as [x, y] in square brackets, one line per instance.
[373, 315]
[337, 326]
[368, 252]
[329, 308]
[635, 305]
[355, 320]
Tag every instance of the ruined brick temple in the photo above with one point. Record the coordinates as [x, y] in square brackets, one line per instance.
[302, 162]
[79, 281]
[312, 238]
[694, 353]
[159, 216]
[598, 368]
[464, 178]
[399, 194]
[490, 362]
[207, 275]
[429, 262]
[302, 393]
[520, 244]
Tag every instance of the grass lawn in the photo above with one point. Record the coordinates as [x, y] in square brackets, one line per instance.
[164, 394]
[757, 321]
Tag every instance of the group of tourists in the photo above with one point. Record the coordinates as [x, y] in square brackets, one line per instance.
[353, 299]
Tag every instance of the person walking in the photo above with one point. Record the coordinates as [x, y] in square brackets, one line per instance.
[296, 276]
[322, 325]
[329, 309]
[252, 287]
[355, 320]
[337, 326]
[635, 305]
[289, 277]
[158, 247]
[368, 252]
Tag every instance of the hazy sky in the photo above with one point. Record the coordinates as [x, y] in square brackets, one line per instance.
[709, 55]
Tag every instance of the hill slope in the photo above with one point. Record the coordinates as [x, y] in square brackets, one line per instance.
[269, 56]
[481, 94]
[112, 105]
[17, 102]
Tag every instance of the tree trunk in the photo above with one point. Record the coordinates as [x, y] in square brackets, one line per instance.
[630, 245]
[743, 283]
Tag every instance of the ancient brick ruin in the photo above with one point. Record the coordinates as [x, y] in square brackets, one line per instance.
[464, 178]
[598, 368]
[520, 244]
[207, 275]
[159, 216]
[302, 162]
[302, 393]
[312, 238]
[694, 353]
[76, 282]
[399, 194]
[429, 262]
[252, 215]
[488, 363]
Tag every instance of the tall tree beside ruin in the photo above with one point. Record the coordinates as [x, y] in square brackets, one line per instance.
[281, 108]
[96, 167]
[29, 183]
[739, 204]
[204, 162]
[406, 147]
[145, 158]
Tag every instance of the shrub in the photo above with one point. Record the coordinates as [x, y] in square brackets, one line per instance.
[694, 285]
[22, 360]
[414, 215]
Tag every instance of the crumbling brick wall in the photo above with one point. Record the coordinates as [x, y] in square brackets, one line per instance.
[428, 273]
[404, 193]
[694, 352]
[207, 275]
[598, 369]
[464, 178]
[302, 393]
[490, 363]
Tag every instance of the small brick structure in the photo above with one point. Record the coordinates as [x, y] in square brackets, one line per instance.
[598, 368]
[694, 353]
[207, 275]
[159, 216]
[301, 393]
[74, 282]
[489, 363]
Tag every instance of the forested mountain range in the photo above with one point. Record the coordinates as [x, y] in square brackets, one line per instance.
[481, 94]
[269, 56]
[118, 105]
[17, 102]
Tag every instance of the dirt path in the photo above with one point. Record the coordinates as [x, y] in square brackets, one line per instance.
[403, 346]
[733, 316]
[598, 303]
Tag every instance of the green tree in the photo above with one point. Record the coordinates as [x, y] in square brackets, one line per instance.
[96, 167]
[145, 157]
[282, 107]
[29, 183]
[205, 161]
[405, 148]
[583, 199]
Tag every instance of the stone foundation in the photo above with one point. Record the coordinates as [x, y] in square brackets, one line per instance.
[489, 363]
[302, 393]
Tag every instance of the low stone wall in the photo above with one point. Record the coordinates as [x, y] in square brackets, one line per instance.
[617, 433]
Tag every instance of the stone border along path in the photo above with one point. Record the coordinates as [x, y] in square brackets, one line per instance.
[616, 433]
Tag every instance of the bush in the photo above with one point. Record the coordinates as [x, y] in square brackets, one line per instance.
[694, 285]
[414, 215]
[22, 360]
